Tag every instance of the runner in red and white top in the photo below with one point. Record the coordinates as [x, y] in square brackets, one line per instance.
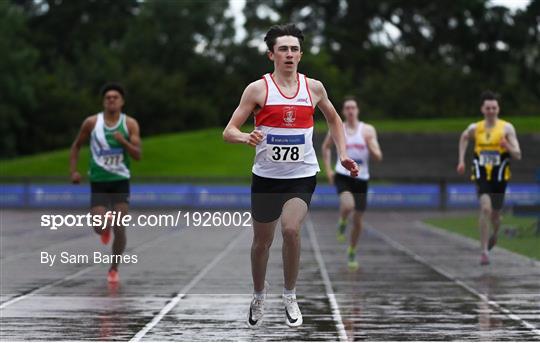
[285, 168]
[287, 123]
[361, 143]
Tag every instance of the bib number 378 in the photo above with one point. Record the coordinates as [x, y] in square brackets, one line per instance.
[285, 148]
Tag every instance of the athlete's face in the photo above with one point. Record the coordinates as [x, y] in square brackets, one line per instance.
[286, 54]
[490, 109]
[350, 110]
[113, 101]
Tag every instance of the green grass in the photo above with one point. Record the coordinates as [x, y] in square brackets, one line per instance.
[526, 242]
[203, 153]
[200, 153]
[441, 125]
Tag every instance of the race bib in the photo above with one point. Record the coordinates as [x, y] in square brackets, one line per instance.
[112, 157]
[285, 148]
[489, 157]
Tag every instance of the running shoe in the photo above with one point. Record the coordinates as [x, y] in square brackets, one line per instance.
[293, 316]
[351, 258]
[484, 259]
[256, 309]
[492, 241]
[113, 276]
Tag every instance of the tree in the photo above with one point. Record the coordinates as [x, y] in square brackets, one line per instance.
[17, 65]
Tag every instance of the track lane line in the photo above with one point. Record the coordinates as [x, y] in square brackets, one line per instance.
[180, 295]
[398, 246]
[72, 276]
[336, 313]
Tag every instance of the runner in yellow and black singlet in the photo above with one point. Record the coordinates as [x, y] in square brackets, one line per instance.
[495, 143]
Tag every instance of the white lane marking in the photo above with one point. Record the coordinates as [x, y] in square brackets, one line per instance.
[139, 248]
[47, 247]
[72, 240]
[467, 240]
[336, 314]
[180, 295]
[449, 276]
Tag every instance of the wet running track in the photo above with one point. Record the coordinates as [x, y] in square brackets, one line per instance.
[414, 283]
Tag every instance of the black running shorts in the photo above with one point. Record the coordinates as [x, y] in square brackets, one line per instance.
[109, 193]
[269, 195]
[495, 189]
[357, 187]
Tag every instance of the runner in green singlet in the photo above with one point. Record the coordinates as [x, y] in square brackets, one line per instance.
[114, 139]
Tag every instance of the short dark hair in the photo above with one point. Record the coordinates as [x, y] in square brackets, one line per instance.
[488, 95]
[112, 86]
[349, 98]
[282, 30]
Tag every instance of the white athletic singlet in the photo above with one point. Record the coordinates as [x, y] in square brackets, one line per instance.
[286, 151]
[356, 150]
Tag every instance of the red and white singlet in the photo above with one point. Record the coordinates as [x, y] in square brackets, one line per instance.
[357, 150]
[286, 151]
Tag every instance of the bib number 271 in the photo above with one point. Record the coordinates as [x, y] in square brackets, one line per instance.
[112, 157]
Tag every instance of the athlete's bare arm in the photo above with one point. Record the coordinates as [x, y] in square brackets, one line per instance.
[370, 135]
[510, 142]
[466, 136]
[320, 99]
[82, 137]
[327, 157]
[252, 98]
[133, 145]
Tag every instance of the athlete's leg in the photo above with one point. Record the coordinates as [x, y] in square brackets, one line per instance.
[360, 203]
[99, 210]
[357, 228]
[100, 200]
[119, 242]
[497, 202]
[263, 236]
[495, 224]
[495, 221]
[484, 219]
[346, 205]
[294, 212]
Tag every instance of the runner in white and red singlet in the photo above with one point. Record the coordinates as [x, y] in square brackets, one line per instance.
[285, 168]
[361, 143]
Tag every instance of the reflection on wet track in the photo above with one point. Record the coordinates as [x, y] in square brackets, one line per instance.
[392, 296]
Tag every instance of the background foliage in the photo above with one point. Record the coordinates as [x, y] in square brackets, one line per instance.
[184, 66]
